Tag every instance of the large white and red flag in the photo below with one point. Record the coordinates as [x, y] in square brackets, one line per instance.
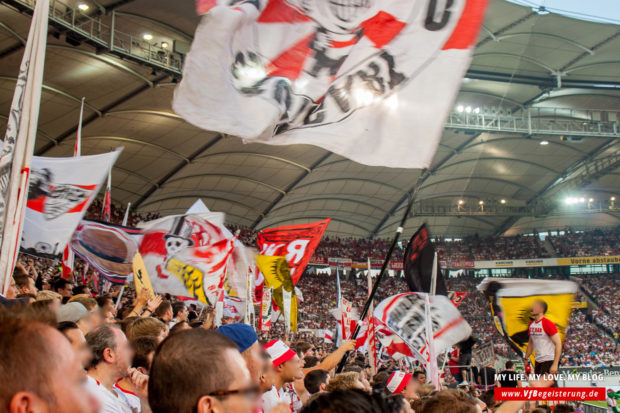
[189, 256]
[59, 193]
[353, 77]
[18, 145]
[295, 242]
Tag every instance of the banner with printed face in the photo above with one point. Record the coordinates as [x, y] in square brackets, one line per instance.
[296, 243]
[348, 76]
[404, 314]
[511, 301]
[188, 255]
[60, 191]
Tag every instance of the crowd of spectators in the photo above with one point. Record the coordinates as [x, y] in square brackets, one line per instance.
[598, 242]
[161, 355]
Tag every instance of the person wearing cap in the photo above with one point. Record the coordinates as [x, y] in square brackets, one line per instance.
[77, 313]
[401, 383]
[288, 369]
[246, 339]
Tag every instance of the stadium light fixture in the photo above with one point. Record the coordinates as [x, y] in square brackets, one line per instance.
[544, 142]
[460, 108]
[468, 109]
[481, 202]
[591, 200]
[502, 201]
[147, 36]
[83, 6]
[461, 202]
[477, 110]
[613, 198]
[164, 45]
[582, 200]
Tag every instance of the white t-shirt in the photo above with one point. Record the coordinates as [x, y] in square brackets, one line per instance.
[291, 394]
[540, 332]
[271, 398]
[110, 402]
[130, 398]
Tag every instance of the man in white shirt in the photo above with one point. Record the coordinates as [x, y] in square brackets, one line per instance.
[111, 361]
[544, 341]
[288, 368]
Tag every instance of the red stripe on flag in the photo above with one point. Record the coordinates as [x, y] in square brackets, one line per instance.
[466, 31]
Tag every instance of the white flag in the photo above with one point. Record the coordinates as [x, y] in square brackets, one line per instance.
[369, 80]
[18, 144]
[59, 193]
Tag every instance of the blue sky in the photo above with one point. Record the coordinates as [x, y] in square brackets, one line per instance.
[606, 11]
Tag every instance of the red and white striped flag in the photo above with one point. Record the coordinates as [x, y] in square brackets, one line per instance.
[106, 211]
[328, 337]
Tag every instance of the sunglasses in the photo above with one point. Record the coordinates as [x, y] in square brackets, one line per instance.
[249, 392]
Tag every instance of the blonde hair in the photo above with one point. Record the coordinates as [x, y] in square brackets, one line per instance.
[48, 295]
[344, 381]
[141, 327]
[86, 300]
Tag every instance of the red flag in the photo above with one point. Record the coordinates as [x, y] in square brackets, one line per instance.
[456, 297]
[106, 211]
[67, 262]
[295, 242]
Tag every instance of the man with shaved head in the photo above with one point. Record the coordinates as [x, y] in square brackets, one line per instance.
[40, 370]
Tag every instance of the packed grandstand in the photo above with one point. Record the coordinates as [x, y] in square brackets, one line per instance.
[592, 337]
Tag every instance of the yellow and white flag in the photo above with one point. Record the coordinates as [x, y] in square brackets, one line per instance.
[141, 277]
[277, 275]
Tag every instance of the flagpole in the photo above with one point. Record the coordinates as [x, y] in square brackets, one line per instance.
[126, 217]
[386, 262]
[18, 145]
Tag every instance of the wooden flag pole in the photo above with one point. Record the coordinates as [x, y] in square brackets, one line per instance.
[386, 262]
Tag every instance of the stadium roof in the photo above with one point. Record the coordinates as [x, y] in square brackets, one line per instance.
[535, 122]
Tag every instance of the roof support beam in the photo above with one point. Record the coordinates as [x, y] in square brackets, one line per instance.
[425, 175]
[159, 23]
[58, 92]
[480, 178]
[176, 169]
[289, 189]
[326, 198]
[262, 155]
[496, 158]
[363, 180]
[228, 176]
[303, 217]
[88, 120]
[136, 141]
[216, 198]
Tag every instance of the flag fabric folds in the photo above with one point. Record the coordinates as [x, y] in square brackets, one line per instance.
[59, 193]
[511, 300]
[405, 315]
[348, 77]
[296, 242]
[418, 264]
[18, 144]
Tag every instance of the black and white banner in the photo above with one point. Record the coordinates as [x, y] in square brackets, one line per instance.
[60, 191]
